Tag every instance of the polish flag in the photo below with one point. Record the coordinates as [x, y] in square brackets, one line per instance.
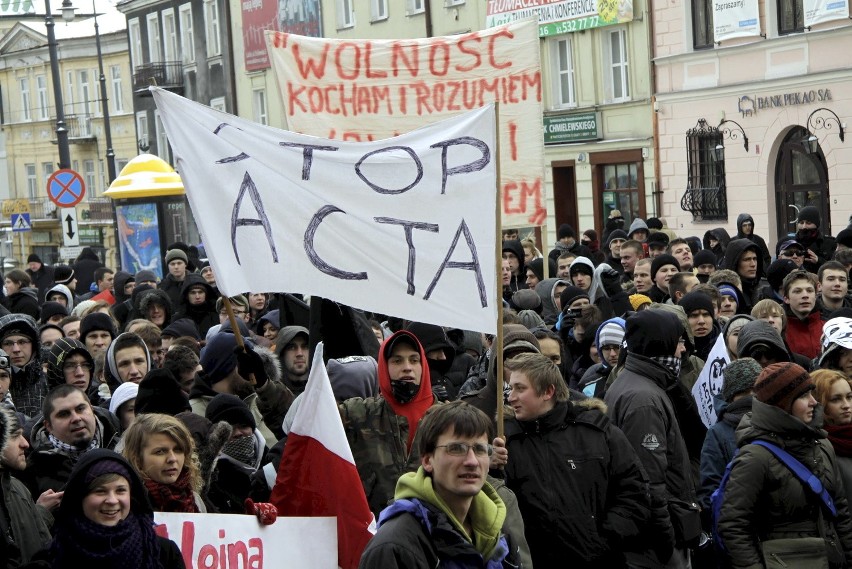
[317, 476]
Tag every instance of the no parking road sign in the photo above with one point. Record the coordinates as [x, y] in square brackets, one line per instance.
[66, 188]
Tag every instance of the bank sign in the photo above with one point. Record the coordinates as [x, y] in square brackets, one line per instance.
[560, 16]
[572, 128]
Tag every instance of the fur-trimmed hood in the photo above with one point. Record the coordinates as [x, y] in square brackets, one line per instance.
[149, 297]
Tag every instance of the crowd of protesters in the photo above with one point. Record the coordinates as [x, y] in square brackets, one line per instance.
[124, 394]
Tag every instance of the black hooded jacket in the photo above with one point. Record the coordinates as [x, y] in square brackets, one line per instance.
[448, 374]
[751, 287]
[756, 239]
[204, 315]
[720, 235]
[25, 301]
[518, 281]
[84, 268]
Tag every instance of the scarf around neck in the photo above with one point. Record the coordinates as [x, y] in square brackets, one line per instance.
[175, 497]
[130, 543]
[840, 437]
[74, 451]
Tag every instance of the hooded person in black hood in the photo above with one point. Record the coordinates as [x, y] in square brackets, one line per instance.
[745, 258]
[716, 240]
[820, 248]
[513, 251]
[84, 268]
[123, 285]
[198, 303]
[705, 328]
[291, 347]
[447, 369]
[745, 230]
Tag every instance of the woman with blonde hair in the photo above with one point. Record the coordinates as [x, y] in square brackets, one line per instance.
[834, 393]
[161, 448]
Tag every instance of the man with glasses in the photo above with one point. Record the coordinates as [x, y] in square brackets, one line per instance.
[240, 306]
[70, 362]
[578, 481]
[19, 338]
[445, 513]
[793, 250]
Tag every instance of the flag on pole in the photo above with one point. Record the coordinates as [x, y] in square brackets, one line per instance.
[317, 475]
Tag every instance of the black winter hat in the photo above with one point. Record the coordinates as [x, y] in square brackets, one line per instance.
[432, 337]
[653, 333]
[564, 231]
[159, 392]
[616, 234]
[739, 376]
[696, 300]
[145, 276]
[660, 261]
[654, 223]
[704, 257]
[809, 213]
[659, 239]
[778, 269]
[570, 294]
[52, 308]
[845, 237]
[63, 274]
[231, 409]
[537, 267]
[97, 321]
[526, 299]
[33, 258]
[182, 327]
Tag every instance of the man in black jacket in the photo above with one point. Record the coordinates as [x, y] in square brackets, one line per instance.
[745, 258]
[579, 483]
[639, 404]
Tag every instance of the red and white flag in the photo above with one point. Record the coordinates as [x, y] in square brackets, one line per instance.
[317, 475]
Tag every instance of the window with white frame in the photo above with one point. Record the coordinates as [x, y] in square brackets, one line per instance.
[163, 150]
[41, 95]
[414, 7]
[24, 83]
[345, 14]
[142, 131]
[616, 73]
[187, 36]
[120, 163]
[47, 170]
[84, 90]
[218, 104]
[134, 35]
[89, 176]
[155, 54]
[170, 39]
[261, 115]
[378, 10]
[32, 181]
[211, 28]
[562, 66]
[115, 81]
[96, 92]
[69, 90]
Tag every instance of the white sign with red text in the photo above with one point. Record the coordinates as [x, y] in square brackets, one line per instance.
[227, 541]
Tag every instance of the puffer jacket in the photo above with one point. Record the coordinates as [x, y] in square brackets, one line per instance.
[719, 448]
[765, 501]
[25, 301]
[579, 485]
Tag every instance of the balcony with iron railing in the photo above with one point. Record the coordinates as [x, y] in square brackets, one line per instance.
[165, 74]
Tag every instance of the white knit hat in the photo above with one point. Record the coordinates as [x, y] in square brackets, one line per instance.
[124, 393]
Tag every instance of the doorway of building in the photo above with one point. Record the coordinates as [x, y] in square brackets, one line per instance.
[801, 179]
[564, 197]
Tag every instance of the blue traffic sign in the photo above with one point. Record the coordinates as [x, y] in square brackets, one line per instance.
[66, 188]
[21, 222]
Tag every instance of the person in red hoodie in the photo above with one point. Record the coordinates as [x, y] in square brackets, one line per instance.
[382, 430]
[804, 318]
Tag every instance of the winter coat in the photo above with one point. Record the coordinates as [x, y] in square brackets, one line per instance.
[231, 479]
[48, 468]
[803, 334]
[593, 382]
[517, 281]
[750, 287]
[29, 523]
[84, 268]
[25, 301]
[639, 405]
[764, 500]
[172, 287]
[204, 315]
[756, 239]
[144, 301]
[545, 290]
[719, 448]
[579, 485]
[415, 533]
[42, 279]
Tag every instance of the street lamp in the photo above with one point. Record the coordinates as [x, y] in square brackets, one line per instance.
[61, 130]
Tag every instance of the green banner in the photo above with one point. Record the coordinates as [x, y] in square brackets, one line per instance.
[571, 128]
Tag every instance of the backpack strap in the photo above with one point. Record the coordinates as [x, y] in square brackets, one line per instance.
[802, 472]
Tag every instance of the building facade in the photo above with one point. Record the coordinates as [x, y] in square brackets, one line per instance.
[750, 111]
[29, 150]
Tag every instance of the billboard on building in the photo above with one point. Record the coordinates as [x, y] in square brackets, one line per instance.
[302, 17]
[735, 19]
[560, 16]
[818, 11]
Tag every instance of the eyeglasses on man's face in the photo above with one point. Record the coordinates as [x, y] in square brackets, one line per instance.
[72, 366]
[461, 449]
[793, 253]
[12, 343]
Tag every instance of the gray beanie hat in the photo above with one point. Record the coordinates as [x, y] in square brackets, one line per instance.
[739, 376]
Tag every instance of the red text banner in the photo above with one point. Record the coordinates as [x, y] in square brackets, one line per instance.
[364, 90]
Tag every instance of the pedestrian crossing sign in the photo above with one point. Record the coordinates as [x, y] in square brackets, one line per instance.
[21, 222]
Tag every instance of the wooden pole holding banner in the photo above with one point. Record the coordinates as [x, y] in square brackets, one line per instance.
[497, 345]
[232, 318]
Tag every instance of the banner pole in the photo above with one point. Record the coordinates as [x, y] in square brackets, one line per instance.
[497, 345]
[232, 318]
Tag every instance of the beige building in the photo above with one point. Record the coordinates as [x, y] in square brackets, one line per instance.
[28, 149]
[780, 77]
[598, 118]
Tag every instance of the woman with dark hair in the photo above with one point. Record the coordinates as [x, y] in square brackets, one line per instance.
[21, 297]
[105, 520]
